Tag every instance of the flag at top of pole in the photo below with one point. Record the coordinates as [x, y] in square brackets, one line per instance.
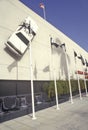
[43, 7]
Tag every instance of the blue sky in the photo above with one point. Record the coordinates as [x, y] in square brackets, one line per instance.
[69, 16]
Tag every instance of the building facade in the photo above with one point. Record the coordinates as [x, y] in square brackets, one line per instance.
[52, 51]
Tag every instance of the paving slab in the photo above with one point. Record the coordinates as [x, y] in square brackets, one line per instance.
[69, 117]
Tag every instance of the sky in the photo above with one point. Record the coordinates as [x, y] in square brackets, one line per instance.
[69, 16]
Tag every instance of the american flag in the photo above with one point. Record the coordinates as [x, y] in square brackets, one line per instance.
[42, 5]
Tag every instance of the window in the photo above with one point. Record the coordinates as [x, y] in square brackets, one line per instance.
[22, 38]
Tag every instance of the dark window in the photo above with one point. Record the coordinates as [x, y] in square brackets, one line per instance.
[22, 38]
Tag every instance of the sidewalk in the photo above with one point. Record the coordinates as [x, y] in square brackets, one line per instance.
[69, 117]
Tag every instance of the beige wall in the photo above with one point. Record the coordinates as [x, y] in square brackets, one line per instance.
[12, 13]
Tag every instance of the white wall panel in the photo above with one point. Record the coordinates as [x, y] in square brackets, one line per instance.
[12, 13]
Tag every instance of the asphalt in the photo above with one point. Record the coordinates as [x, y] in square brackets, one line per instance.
[69, 117]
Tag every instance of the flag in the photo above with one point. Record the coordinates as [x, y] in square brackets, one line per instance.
[82, 60]
[53, 43]
[42, 5]
[75, 54]
[63, 45]
[79, 57]
[86, 63]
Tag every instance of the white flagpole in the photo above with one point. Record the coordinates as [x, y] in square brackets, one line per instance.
[56, 93]
[32, 87]
[78, 82]
[68, 76]
[44, 13]
[55, 84]
[79, 87]
[84, 77]
[85, 82]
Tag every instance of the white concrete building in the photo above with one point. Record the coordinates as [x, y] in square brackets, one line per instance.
[45, 58]
[53, 54]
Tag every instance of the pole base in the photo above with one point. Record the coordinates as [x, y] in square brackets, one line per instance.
[71, 101]
[80, 98]
[58, 108]
[86, 95]
[34, 118]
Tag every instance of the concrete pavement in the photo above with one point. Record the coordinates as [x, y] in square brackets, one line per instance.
[69, 117]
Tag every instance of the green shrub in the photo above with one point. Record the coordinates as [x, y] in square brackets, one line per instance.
[82, 85]
[74, 85]
[50, 90]
[87, 84]
[62, 88]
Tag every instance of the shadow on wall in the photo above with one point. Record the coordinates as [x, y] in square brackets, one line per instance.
[63, 64]
[12, 65]
[59, 51]
[35, 71]
[15, 57]
[16, 60]
[46, 69]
